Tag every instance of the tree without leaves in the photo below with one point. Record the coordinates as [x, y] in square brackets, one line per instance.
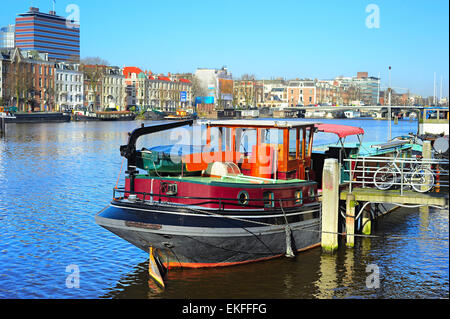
[19, 80]
[94, 61]
[248, 77]
[197, 88]
[92, 75]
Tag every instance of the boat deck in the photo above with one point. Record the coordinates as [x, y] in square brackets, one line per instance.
[220, 181]
[366, 148]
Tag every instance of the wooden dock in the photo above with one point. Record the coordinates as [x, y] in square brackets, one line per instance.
[358, 205]
[394, 196]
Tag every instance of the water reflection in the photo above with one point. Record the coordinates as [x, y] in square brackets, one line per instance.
[327, 282]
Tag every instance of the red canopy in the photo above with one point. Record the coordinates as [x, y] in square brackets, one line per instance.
[340, 130]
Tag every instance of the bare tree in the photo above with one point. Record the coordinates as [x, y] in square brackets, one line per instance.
[197, 88]
[19, 81]
[92, 76]
[94, 61]
[248, 77]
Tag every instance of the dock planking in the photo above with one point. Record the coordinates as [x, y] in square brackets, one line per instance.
[393, 196]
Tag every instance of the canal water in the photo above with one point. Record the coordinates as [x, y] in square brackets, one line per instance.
[55, 177]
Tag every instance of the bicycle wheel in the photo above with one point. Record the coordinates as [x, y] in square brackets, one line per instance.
[384, 178]
[422, 180]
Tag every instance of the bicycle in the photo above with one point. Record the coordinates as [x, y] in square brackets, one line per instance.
[418, 176]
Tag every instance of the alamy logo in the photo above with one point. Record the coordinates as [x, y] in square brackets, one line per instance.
[373, 279]
[73, 279]
[373, 19]
[73, 19]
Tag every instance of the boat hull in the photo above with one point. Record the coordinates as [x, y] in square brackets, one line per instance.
[38, 118]
[185, 239]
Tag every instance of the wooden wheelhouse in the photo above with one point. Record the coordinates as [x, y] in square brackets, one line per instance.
[264, 148]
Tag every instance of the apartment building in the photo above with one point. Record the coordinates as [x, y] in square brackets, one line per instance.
[69, 87]
[218, 83]
[93, 86]
[156, 91]
[248, 93]
[113, 94]
[301, 93]
[29, 80]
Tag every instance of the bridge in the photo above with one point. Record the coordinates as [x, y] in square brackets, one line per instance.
[359, 107]
[380, 110]
[376, 186]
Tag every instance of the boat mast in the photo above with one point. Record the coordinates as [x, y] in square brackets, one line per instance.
[434, 90]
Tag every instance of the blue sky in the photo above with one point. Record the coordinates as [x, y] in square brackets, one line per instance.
[285, 38]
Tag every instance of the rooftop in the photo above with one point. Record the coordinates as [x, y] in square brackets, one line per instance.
[260, 123]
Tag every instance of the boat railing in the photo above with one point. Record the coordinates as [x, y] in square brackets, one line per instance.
[221, 202]
[398, 172]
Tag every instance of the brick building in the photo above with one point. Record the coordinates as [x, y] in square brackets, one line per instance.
[29, 81]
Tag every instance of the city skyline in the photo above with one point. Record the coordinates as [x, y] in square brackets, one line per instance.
[291, 39]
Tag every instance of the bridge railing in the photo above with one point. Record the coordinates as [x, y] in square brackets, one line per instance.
[421, 175]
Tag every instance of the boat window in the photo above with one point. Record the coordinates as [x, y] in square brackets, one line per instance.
[293, 142]
[243, 198]
[268, 199]
[307, 141]
[431, 114]
[443, 115]
[247, 141]
[298, 197]
[272, 136]
[312, 194]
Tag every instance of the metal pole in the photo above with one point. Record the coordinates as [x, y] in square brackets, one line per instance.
[434, 90]
[378, 92]
[389, 104]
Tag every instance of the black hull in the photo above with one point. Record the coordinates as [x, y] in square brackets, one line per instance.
[83, 118]
[124, 118]
[39, 118]
[189, 238]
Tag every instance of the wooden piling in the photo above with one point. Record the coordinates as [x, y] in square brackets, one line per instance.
[426, 155]
[2, 125]
[350, 220]
[367, 223]
[330, 204]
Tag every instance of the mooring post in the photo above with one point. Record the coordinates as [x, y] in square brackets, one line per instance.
[366, 222]
[426, 155]
[330, 204]
[2, 125]
[350, 220]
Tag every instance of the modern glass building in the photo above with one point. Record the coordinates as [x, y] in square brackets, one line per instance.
[7, 37]
[48, 33]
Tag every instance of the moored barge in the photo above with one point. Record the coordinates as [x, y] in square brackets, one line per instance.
[234, 200]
